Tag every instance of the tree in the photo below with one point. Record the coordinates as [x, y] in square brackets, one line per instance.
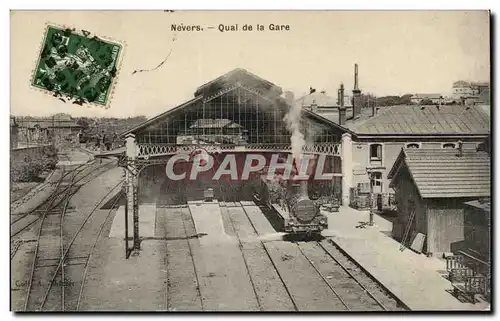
[83, 122]
[406, 99]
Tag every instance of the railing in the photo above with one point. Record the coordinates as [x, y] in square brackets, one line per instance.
[332, 149]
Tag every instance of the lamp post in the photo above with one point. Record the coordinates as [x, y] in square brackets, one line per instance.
[371, 199]
[373, 179]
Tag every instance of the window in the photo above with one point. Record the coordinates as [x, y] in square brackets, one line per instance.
[376, 179]
[449, 145]
[413, 145]
[376, 152]
[481, 147]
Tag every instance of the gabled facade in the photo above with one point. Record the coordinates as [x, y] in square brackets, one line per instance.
[247, 101]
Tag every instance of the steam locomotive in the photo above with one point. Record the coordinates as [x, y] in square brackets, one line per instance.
[291, 201]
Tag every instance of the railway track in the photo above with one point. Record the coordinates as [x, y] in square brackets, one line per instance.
[172, 202]
[49, 246]
[353, 295]
[346, 280]
[295, 306]
[294, 302]
[49, 288]
[50, 206]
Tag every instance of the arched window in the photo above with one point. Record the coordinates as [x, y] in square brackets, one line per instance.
[449, 145]
[375, 152]
[413, 145]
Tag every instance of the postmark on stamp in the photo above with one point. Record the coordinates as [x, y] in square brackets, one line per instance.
[77, 66]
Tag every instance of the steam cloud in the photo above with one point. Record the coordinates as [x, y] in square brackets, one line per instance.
[292, 119]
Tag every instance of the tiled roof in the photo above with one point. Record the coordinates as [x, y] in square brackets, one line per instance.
[443, 173]
[412, 119]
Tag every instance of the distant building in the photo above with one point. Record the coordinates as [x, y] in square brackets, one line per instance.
[421, 98]
[324, 104]
[56, 129]
[470, 93]
[479, 87]
[431, 187]
[461, 89]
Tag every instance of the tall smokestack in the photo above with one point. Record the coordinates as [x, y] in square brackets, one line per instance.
[356, 84]
[356, 94]
[342, 109]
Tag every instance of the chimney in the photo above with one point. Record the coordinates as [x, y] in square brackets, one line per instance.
[460, 148]
[341, 100]
[356, 84]
[342, 109]
[356, 94]
[314, 106]
[289, 96]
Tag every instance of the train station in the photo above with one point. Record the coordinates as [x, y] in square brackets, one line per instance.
[239, 116]
[262, 161]
[247, 199]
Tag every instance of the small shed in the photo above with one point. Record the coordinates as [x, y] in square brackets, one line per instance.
[431, 187]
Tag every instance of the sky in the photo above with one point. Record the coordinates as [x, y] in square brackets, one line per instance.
[398, 52]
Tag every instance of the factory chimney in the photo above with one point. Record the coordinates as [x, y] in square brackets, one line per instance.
[342, 109]
[356, 94]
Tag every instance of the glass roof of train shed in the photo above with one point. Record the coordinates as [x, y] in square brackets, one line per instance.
[240, 104]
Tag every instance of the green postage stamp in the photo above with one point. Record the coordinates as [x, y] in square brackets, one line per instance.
[77, 66]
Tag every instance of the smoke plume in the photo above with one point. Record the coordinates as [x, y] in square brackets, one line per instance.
[292, 119]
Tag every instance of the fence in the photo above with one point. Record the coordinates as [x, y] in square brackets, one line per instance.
[361, 200]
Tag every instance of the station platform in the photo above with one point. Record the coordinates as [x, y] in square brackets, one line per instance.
[415, 279]
[147, 217]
